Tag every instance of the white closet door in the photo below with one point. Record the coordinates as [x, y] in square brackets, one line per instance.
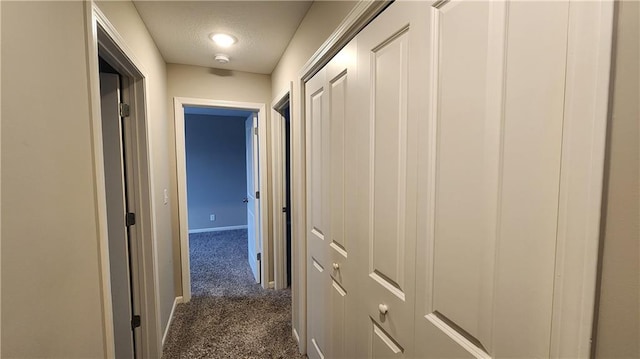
[317, 221]
[332, 176]
[343, 182]
[392, 52]
[489, 179]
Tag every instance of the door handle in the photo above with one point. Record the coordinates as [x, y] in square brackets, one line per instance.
[245, 200]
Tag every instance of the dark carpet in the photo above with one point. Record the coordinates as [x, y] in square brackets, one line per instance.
[229, 316]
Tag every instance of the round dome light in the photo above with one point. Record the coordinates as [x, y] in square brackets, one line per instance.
[223, 40]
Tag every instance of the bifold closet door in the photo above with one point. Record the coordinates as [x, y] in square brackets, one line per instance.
[331, 181]
[392, 83]
[490, 156]
[317, 213]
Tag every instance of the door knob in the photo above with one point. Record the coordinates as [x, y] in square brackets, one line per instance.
[383, 309]
[336, 266]
[246, 200]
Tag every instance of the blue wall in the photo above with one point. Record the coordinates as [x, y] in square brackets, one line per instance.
[216, 170]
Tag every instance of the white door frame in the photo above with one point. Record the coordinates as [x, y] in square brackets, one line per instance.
[588, 71]
[278, 187]
[104, 40]
[260, 108]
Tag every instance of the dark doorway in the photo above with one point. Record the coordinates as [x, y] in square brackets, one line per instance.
[287, 165]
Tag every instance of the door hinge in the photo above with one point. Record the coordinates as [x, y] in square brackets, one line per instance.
[124, 110]
[258, 195]
[130, 219]
[255, 131]
[259, 256]
[135, 322]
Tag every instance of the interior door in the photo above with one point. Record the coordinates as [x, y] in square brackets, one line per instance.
[490, 171]
[333, 180]
[391, 73]
[119, 246]
[253, 205]
[317, 224]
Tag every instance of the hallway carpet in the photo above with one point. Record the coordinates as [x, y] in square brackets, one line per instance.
[229, 316]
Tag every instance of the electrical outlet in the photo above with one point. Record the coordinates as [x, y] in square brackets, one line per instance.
[212, 217]
[165, 196]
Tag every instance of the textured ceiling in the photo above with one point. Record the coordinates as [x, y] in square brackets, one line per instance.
[181, 31]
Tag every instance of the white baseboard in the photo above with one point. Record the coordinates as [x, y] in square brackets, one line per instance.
[296, 336]
[217, 229]
[176, 301]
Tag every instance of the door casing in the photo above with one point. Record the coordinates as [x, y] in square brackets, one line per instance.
[104, 40]
[260, 108]
[278, 183]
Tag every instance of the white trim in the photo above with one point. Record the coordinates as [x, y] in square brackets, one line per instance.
[217, 229]
[176, 301]
[296, 336]
[101, 202]
[458, 338]
[583, 148]
[278, 186]
[179, 104]
[0, 202]
[101, 34]
[358, 18]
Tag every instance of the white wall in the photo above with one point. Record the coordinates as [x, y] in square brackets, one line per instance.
[51, 291]
[318, 24]
[125, 18]
[212, 84]
[618, 331]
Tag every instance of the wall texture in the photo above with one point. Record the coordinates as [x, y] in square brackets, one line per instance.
[51, 291]
[211, 84]
[618, 330]
[319, 23]
[216, 170]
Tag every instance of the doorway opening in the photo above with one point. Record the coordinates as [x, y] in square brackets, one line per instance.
[120, 212]
[220, 161]
[222, 181]
[252, 313]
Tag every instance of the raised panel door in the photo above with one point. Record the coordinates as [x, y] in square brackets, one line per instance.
[391, 78]
[318, 291]
[489, 174]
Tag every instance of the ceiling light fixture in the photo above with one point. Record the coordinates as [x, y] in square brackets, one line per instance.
[223, 40]
[222, 58]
